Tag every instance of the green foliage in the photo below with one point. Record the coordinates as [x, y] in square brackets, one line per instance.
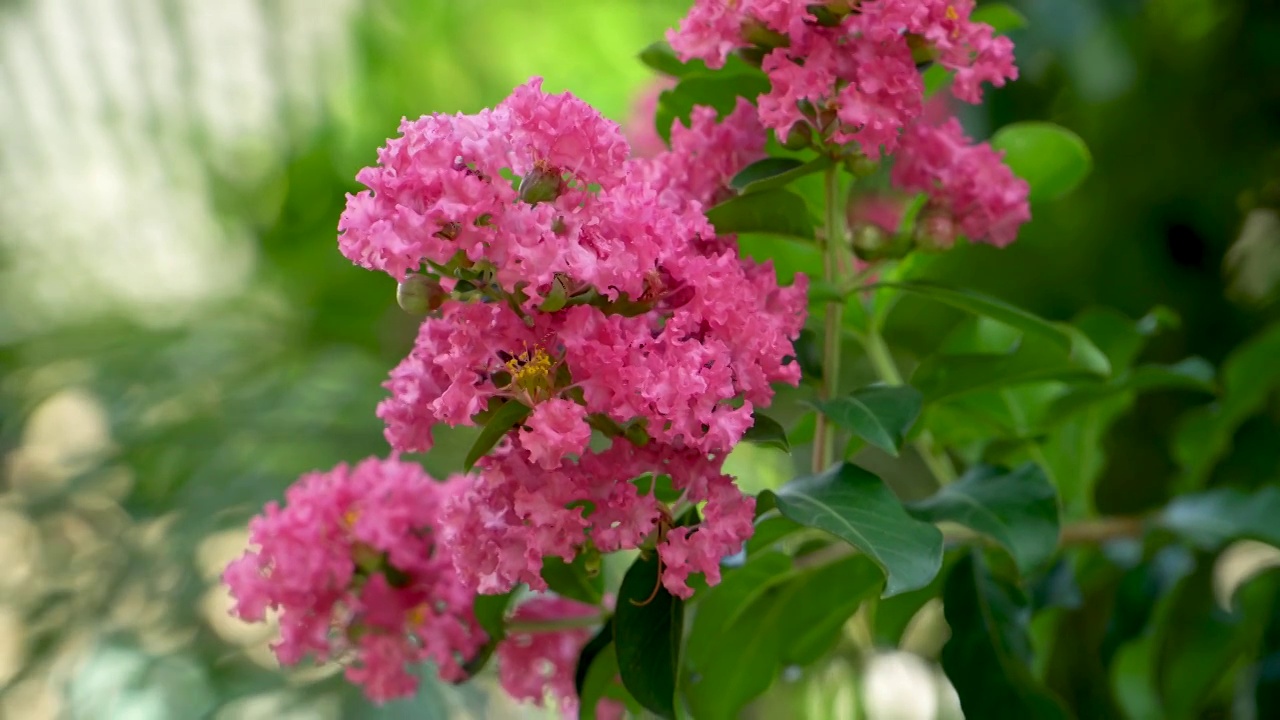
[988, 655]
[1017, 509]
[879, 414]
[647, 629]
[1052, 159]
[776, 212]
[856, 507]
[767, 432]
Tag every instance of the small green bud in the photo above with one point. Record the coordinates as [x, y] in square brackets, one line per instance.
[871, 243]
[798, 137]
[860, 165]
[542, 183]
[921, 51]
[759, 34]
[419, 295]
[935, 231]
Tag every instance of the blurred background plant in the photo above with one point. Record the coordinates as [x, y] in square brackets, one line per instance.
[179, 338]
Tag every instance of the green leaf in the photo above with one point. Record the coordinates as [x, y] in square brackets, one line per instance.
[572, 580]
[1193, 374]
[775, 212]
[1000, 17]
[744, 635]
[647, 630]
[988, 656]
[769, 530]
[986, 306]
[1204, 436]
[491, 614]
[1211, 519]
[1051, 158]
[506, 417]
[1018, 509]
[719, 608]
[824, 600]
[879, 414]
[662, 58]
[855, 506]
[719, 90]
[767, 432]
[594, 647]
[775, 172]
[942, 377]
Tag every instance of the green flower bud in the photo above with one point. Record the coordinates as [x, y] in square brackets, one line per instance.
[543, 183]
[935, 231]
[759, 34]
[798, 137]
[871, 243]
[420, 295]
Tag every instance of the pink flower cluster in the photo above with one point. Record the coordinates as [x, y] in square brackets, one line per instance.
[597, 295]
[848, 70]
[352, 565]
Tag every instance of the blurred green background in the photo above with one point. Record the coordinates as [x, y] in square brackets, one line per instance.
[180, 339]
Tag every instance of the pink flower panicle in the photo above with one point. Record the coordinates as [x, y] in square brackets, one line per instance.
[850, 71]
[591, 290]
[352, 565]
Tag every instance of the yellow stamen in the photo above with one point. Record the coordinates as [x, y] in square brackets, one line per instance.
[952, 15]
[531, 372]
[350, 517]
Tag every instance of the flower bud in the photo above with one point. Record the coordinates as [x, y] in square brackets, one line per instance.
[541, 184]
[830, 13]
[921, 51]
[935, 231]
[871, 243]
[860, 165]
[798, 137]
[420, 294]
[757, 33]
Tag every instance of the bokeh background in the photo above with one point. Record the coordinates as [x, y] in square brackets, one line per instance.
[180, 339]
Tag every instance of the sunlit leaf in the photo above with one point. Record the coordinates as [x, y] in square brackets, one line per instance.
[1052, 159]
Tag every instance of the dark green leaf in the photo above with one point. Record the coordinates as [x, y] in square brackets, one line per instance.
[988, 655]
[879, 414]
[1051, 158]
[999, 16]
[808, 349]
[775, 212]
[855, 506]
[590, 651]
[942, 377]
[1249, 375]
[894, 614]
[985, 306]
[491, 613]
[775, 172]
[1194, 374]
[768, 432]
[1211, 519]
[647, 629]
[508, 416]
[572, 580]
[719, 90]
[1018, 509]
[742, 637]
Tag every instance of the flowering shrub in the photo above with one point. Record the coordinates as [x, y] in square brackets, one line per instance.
[591, 311]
